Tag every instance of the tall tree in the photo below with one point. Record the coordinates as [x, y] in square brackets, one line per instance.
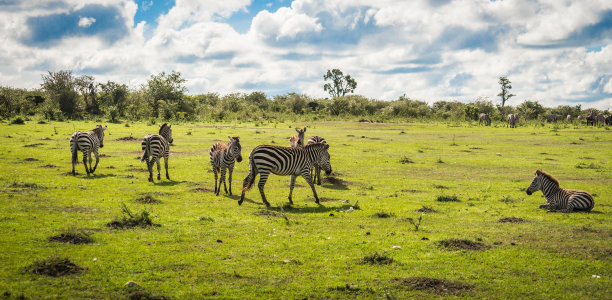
[86, 86]
[62, 89]
[505, 90]
[340, 84]
[166, 89]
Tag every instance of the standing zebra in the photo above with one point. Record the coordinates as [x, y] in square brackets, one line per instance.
[266, 159]
[558, 198]
[87, 141]
[222, 156]
[155, 146]
[316, 171]
[484, 118]
[512, 119]
[298, 139]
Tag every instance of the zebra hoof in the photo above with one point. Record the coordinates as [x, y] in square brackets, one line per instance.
[150, 179]
[158, 177]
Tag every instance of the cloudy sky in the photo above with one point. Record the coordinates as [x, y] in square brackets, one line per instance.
[554, 51]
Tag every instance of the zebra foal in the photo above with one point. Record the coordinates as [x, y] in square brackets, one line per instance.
[298, 139]
[316, 171]
[558, 198]
[222, 157]
[155, 146]
[87, 142]
[266, 159]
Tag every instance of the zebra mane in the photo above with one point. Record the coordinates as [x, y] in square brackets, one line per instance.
[162, 127]
[237, 138]
[547, 175]
[318, 145]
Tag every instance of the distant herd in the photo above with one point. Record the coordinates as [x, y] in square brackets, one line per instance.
[299, 159]
[593, 119]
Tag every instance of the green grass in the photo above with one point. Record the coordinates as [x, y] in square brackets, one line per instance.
[209, 247]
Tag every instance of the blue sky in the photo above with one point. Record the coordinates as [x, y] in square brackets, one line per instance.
[553, 52]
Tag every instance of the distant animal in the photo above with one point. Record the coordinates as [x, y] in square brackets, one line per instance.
[298, 139]
[608, 119]
[156, 146]
[553, 118]
[87, 142]
[569, 118]
[579, 118]
[222, 157]
[557, 198]
[600, 120]
[266, 159]
[316, 171]
[591, 119]
[483, 117]
[512, 119]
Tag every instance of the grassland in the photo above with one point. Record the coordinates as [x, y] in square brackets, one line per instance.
[206, 246]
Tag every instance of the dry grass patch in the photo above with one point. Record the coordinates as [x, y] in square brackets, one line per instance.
[377, 259]
[72, 236]
[459, 244]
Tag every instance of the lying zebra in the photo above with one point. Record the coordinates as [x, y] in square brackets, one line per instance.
[558, 198]
[266, 159]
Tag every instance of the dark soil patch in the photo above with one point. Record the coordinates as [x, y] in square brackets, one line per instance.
[434, 285]
[406, 160]
[335, 181]
[476, 148]
[138, 293]
[72, 237]
[351, 289]
[466, 151]
[49, 166]
[383, 215]
[26, 185]
[31, 159]
[411, 191]
[457, 244]
[104, 155]
[148, 199]
[270, 213]
[377, 259]
[53, 266]
[127, 138]
[33, 145]
[202, 190]
[440, 187]
[444, 198]
[426, 209]
[511, 220]
[138, 170]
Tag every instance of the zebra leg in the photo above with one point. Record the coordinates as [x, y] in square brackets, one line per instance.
[309, 180]
[231, 170]
[97, 160]
[166, 165]
[150, 167]
[544, 205]
[262, 182]
[215, 171]
[85, 163]
[223, 170]
[318, 174]
[291, 187]
[158, 168]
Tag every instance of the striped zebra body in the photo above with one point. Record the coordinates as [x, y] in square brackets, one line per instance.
[484, 118]
[284, 161]
[298, 139]
[512, 119]
[87, 142]
[558, 198]
[316, 171]
[222, 157]
[156, 146]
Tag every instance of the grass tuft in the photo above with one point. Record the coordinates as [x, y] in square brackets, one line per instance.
[383, 215]
[583, 165]
[377, 259]
[426, 209]
[54, 266]
[406, 160]
[459, 244]
[446, 198]
[131, 220]
[72, 236]
[18, 121]
[511, 220]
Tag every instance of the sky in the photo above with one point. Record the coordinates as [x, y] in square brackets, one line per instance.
[555, 52]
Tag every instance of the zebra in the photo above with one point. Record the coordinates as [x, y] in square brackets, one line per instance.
[316, 171]
[483, 117]
[88, 142]
[558, 198]
[266, 159]
[569, 118]
[591, 119]
[553, 118]
[222, 156]
[156, 146]
[298, 139]
[512, 119]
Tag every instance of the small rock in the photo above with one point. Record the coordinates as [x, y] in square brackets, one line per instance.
[286, 261]
[498, 154]
[397, 247]
[595, 276]
[131, 284]
[95, 259]
[219, 241]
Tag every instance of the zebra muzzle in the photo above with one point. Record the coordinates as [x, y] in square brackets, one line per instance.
[529, 192]
[239, 158]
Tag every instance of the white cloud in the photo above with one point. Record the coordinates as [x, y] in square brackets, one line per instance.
[86, 22]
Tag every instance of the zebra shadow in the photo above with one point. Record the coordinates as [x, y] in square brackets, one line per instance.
[288, 208]
[168, 183]
[97, 176]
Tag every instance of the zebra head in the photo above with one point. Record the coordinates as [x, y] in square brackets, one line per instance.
[165, 130]
[234, 148]
[322, 159]
[536, 183]
[300, 141]
[100, 133]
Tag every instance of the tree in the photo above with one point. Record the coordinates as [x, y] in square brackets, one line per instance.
[530, 110]
[340, 85]
[505, 90]
[86, 86]
[167, 87]
[61, 88]
[113, 99]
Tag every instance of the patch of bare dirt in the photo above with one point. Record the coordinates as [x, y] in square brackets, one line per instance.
[149, 199]
[127, 138]
[458, 244]
[33, 145]
[49, 166]
[138, 170]
[426, 209]
[202, 190]
[435, 285]
[31, 159]
[511, 220]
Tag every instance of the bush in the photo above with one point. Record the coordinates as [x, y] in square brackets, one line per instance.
[18, 121]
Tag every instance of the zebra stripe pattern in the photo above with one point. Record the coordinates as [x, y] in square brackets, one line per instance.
[222, 157]
[87, 142]
[316, 171]
[266, 159]
[483, 117]
[558, 198]
[298, 139]
[155, 146]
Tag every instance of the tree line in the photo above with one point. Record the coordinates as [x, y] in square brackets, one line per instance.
[63, 95]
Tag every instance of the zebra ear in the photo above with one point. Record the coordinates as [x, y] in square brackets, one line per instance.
[297, 130]
[538, 172]
[326, 146]
[230, 138]
[304, 129]
[104, 128]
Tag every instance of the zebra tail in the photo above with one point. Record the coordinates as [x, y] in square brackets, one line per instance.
[146, 150]
[250, 179]
[75, 156]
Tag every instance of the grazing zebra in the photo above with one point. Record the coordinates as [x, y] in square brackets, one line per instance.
[553, 118]
[316, 171]
[87, 141]
[558, 198]
[608, 119]
[600, 120]
[285, 161]
[591, 119]
[298, 139]
[569, 118]
[484, 118]
[512, 119]
[222, 156]
[154, 146]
